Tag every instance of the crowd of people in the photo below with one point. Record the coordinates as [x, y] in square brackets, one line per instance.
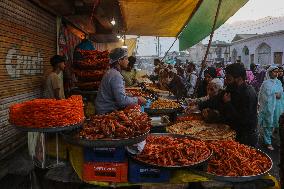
[250, 101]
[247, 100]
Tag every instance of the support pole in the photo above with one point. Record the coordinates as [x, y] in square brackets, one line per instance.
[203, 64]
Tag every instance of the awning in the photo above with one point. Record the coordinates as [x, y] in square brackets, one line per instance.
[164, 18]
[200, 25]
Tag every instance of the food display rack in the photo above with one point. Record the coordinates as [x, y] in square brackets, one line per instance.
[43, 132]
[71, 137]
[195, 165]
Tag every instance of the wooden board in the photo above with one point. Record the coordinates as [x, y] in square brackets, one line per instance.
[27, 41]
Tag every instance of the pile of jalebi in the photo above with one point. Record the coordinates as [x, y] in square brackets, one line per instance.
[189, 117]
[90, 67]
[234, 159]
[93, 54]
[128, 123]
[91, 75]
[170, 151]
[93, 64]
[45, 113]
[164, 104]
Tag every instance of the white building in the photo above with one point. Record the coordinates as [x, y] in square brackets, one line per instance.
[218, 52]
[263, 49]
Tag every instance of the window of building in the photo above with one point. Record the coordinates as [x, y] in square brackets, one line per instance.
[252, 58]
[278, 57]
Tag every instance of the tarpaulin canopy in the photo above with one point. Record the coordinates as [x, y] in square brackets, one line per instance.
[167, 18]
[200, 25]
[164, 18]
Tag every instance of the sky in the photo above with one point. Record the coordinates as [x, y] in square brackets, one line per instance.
[253, 10]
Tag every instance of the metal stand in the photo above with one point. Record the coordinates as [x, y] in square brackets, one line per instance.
[41, 160]
[42, 136]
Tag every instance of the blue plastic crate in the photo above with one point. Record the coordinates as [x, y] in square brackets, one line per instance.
[141, 173]
[104, 154]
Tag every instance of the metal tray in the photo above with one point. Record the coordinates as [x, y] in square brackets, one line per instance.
[50, 129]
[71, 138]
[84, 92]
[163, 111]
[239, 178]
[197, 164]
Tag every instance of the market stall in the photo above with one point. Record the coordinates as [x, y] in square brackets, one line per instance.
[118, 148]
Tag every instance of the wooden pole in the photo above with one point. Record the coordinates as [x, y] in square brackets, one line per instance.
[203, 64]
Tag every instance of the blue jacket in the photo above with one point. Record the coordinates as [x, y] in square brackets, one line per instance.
[111, 95]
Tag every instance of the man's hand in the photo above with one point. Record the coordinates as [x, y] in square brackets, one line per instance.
[205, 113]
[141, 100]
[227, 97]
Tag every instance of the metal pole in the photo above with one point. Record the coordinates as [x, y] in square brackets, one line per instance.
[57, 161]
[43, 150]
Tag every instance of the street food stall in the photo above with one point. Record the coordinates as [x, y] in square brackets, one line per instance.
[118, 149]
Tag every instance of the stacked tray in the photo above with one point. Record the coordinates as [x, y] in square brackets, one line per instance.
[73, 138]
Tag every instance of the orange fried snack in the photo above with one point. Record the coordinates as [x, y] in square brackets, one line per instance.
[45, 113]
[128, 123]
[234, 159]
[170, 151]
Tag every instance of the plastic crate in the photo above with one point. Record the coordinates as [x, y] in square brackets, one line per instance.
[104, 154]
[141, 173]
[105, 172]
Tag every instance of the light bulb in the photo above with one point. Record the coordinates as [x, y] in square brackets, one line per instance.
[113, 22]
[118, 36]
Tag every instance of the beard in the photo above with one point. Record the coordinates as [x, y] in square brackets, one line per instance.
[231, 87]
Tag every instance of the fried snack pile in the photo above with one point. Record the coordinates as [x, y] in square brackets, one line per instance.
[231, 158]
[189, 117]
[119, 124]
[137, 92]
[89, 68]
[164, 104]
[170, 151]
[45, 113]
[203, 131]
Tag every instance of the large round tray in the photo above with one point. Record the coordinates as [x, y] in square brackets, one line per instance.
[239, 178]
[50, 129]
[197, 164]
[84, 92]
[73, 139]
[163, 111]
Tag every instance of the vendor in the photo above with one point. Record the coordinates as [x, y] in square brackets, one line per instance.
[111, 95]
[54, 82]
[129, 74]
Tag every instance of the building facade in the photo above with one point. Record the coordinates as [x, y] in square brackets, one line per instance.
[218, 52]
[262, 49]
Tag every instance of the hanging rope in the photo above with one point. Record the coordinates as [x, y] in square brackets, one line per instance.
[203, 64]
[169, 49]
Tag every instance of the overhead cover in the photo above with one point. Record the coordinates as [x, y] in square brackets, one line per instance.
[200, 25]
[164, 18]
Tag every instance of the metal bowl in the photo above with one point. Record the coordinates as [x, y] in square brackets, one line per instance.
[49, 129]
[196, 164]
[239, 178]
[163, 111]
[73, 139]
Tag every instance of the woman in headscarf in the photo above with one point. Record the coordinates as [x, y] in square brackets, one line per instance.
[270, 101]
[280, 75]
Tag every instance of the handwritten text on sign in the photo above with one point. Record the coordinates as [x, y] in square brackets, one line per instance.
[18, 64]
